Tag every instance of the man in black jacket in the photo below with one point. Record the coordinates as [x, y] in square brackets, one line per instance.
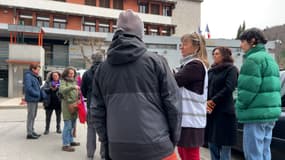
[137, 102]
[86, 90]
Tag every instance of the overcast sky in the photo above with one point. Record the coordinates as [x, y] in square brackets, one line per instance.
[225, 16]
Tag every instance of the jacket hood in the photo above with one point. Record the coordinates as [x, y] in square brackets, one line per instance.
[49, 75]
[125, 48]
[94, 66]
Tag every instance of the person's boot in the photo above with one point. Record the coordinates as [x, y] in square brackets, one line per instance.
[47, 123]
[58, 130]
[31, 136]
[46, 132]
[68, 148]
[36, 134]
[47, 129]
[74, 144]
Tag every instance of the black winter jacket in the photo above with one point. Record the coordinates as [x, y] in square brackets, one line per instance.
[221, 126]
[221, 84]
[87, 80]
[86, 90]
[52, 100]
[137, 109]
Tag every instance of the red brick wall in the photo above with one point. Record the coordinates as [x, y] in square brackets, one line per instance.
[75, 1]
[74, 22]
[6, 15]
[131, 4]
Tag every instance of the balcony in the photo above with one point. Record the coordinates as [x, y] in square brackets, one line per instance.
[84, 10]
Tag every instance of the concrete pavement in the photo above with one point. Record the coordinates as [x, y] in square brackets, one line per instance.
[15, 146]
[8, 103]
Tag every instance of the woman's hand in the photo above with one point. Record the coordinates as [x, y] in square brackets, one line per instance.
[210, 106]
[77, 87]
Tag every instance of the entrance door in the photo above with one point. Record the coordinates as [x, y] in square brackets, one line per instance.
[3, 83]
[4, 51]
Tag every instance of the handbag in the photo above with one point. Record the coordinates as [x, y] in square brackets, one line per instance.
[81, 111]
[72, 108]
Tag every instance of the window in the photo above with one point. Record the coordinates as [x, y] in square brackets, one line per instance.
[90, 2]
[26, 18]
[43, 20]
[154, 31]
[89, 25]
[166, 31]
[59, 22]
[155, 9]
[167, 10]
[48, 54]
[115, 26]
[104, 26]
[143, 8]
[145, 30]
[118, 4]
[104, 3]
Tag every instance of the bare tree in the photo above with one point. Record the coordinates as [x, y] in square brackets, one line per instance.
[96, 46]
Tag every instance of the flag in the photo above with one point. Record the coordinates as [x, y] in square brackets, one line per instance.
[199, 30]
[207, 30]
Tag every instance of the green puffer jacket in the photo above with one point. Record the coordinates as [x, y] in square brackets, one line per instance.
[258, 88]
[70, 96]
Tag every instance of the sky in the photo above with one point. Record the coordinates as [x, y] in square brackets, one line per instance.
[224, 16]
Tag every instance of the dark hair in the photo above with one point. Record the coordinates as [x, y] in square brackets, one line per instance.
[34, 66]
[253, 33]
[226, 54]
[50, 74]
[66, 71]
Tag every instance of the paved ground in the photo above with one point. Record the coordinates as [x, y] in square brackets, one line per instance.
[14, 146]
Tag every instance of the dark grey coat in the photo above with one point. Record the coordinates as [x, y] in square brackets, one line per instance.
[221, 123]
[86, 88]
[137, 109]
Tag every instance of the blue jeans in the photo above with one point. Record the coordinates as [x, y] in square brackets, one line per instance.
[220, 152]
[256, 140]
[67, 136]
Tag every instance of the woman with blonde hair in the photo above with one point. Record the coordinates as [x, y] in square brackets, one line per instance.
[192, 80]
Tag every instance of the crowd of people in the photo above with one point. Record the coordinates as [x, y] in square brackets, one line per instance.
[141, 110]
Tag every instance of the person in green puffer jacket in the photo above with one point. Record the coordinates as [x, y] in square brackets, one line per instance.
[258, 103]
[69, 91]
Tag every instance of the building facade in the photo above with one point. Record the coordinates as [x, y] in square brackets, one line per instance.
[161, 17]
[74, 29]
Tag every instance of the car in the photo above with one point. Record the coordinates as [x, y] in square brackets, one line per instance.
[278, 134]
